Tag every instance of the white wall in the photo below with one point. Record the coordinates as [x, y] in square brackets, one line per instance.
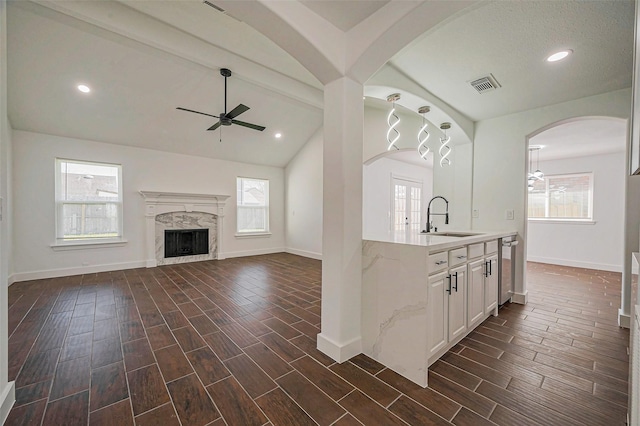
[7, 391]
[452, 182]
[303, 177]
[377, 189]
[142, 169]
[594, 246]
[500, 147]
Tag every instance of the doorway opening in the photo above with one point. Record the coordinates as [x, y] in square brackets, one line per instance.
[575, 194]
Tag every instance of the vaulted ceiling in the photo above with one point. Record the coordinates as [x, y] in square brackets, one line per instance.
[144, 59]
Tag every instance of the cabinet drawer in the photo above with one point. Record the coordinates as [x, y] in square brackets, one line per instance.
[475, 250]
[457, 256]
[438, 262]
[491, 247]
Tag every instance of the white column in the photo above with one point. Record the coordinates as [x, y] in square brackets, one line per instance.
[340, 337]
[150, 235]
[219, 221]
[7, 388]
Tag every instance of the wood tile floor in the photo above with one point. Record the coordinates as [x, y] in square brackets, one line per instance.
[233, 342]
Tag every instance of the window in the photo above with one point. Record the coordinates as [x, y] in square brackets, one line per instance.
[407, 205]
[88, 200]
[253, 206]
[564, 197]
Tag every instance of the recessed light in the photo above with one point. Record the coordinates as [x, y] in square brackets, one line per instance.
[278, 135]
[84, 88]
[558, 56]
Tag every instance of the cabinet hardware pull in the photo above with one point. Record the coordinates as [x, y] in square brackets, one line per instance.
[461, 256]
[456, 287]
[449, 289]
[441, 262]
[490, 268]
[486, 269]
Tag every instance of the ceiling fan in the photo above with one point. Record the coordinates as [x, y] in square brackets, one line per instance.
[227, 118]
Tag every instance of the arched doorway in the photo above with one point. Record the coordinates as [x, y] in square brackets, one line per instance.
[575, 183]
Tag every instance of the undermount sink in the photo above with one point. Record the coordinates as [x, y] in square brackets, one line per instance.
[452, 234]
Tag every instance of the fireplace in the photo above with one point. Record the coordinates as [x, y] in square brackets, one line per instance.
[183, 227]
[186, 242]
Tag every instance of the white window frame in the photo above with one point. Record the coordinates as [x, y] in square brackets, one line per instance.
[240, 233]
[62, 243]
[588, 220]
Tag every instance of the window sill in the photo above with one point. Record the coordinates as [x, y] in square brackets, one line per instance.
[565, 221]
[253, 235]
[87, 244]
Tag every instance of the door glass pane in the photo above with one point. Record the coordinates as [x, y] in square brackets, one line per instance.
[400, 207]
[416, 208]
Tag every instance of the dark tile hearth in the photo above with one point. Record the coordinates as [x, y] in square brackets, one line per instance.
[232, 342]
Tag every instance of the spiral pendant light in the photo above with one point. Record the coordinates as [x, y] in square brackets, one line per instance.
[393, 120]
[445, 149]
[423, 134]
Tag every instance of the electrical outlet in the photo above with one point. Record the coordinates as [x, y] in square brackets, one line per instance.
[475, 213]
[509, 214]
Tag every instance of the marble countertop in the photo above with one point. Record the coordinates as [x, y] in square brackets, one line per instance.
[436, 242]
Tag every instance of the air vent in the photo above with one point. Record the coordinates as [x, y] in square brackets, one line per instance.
[485, 84]
[219, 9]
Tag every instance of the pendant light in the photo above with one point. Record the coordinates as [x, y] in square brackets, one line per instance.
[423, 134]
[393, 120]
[445, 149]
[538, 173]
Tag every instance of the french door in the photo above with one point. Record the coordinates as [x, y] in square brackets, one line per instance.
[406, 198]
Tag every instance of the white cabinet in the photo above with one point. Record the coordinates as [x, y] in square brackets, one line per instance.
[447, 307]
[438, 310]
[491, 285]
[476, 302]
[457, 317]
[463, 291]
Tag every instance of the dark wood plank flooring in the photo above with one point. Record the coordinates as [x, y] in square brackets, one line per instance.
[233, 342]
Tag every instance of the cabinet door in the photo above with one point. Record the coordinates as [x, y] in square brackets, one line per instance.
[458, 302]
[491, 285]
[475, 297]
[438, 306]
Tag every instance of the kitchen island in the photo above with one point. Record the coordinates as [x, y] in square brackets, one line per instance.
[422, 293]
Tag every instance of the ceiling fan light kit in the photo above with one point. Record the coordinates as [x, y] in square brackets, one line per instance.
[227, 118]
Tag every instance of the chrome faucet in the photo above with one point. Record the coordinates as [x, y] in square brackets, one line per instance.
[429, 214]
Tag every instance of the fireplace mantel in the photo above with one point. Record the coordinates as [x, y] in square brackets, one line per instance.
[166, 202]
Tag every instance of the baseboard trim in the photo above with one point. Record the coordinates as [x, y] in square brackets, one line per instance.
[624, 320]
[304, 253]
[64, 272]
[7, 399]
[576, 263]
[254, 252]
[520, 298]
[339, 352]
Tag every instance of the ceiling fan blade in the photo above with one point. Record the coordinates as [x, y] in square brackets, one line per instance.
[249, 125]
[236, 111]
[215, 126]
[197, 112]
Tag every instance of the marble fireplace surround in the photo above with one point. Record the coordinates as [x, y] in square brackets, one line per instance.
[160, 203]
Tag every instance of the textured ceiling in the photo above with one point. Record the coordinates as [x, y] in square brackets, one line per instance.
[591, 136]
[140, 77]
[511, 40]
[135, 92]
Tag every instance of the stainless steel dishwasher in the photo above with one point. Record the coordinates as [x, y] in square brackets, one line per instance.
[507, 266]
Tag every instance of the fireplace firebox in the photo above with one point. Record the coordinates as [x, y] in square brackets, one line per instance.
[186, 242]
